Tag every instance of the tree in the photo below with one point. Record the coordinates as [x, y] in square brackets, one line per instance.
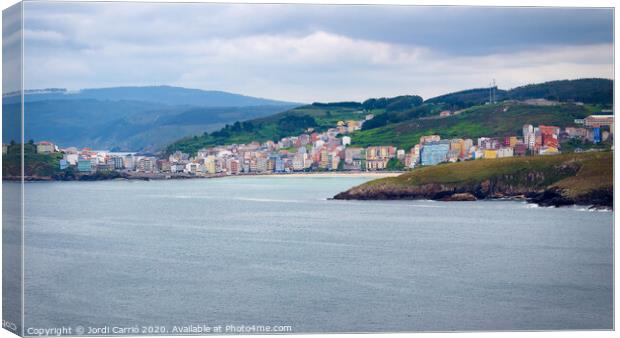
[236, 127]
[341, 165]
[395, 164]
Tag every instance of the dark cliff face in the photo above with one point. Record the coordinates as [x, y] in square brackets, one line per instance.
[534, 185]
[481, 190]
[484, 190]
[603, 197]
[493, 187]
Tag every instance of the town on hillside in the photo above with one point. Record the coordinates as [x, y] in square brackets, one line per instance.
[329, 150]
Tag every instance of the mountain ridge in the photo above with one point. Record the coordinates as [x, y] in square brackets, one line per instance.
[128, 118]
[165, 94]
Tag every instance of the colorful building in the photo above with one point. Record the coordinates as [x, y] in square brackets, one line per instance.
[489, 153]
[599, 121]
[550, 136]
[433, 153]
[84, 165]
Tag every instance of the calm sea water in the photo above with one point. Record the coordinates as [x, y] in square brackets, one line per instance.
[275, 251]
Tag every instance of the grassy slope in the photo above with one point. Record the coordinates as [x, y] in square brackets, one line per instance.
[267, 128]
[595, 165]
[596, 173]
[487, 120]
[576, 174]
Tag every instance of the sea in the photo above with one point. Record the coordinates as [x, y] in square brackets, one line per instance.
[276, 253]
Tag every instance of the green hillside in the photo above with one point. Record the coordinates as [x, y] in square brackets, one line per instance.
[401, 120]
[36, 165]
[576, 178]
[318, 116]
[495, 120]
[466, 98]
[43, 166]
[293, 122]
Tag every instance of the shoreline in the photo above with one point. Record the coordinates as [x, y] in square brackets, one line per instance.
[515, 199]
[325, 174]
[160, 177]
[535, 201]
[372, 175]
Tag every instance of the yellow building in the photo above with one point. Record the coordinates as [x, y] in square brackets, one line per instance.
[371, 153]
[548, 151]
[335, 162]
[385, 152]
[210, 164]
[324, 159]
[513, 141]
[490, 153]
[352, 126]
[458, 145]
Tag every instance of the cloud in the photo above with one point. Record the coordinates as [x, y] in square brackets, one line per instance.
[39, 36]
[310, 53]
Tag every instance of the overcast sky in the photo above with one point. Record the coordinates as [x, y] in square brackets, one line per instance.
[309, 53]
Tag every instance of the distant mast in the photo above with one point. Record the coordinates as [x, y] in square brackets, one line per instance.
[492, 94]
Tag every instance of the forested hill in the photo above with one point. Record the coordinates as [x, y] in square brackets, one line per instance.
[401, 120]
[593, 91]
[318, 116]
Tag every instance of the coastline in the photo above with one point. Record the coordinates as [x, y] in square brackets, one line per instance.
[535, 198]
[550, 198]
[147, 177]
[373, 174]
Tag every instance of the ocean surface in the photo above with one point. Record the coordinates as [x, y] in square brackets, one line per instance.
[274, 251]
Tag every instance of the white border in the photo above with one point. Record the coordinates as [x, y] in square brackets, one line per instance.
[511, 3]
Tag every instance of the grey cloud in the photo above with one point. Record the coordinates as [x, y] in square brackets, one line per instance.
[460, 30]
[311, 52]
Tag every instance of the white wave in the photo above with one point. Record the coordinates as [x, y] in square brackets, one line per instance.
[425, 206]
[268, 200]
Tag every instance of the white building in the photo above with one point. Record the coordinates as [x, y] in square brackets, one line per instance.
[346, 140]
[72, 159]
[45, 147]
[529, 137]
[299, 162]
[505, 152]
